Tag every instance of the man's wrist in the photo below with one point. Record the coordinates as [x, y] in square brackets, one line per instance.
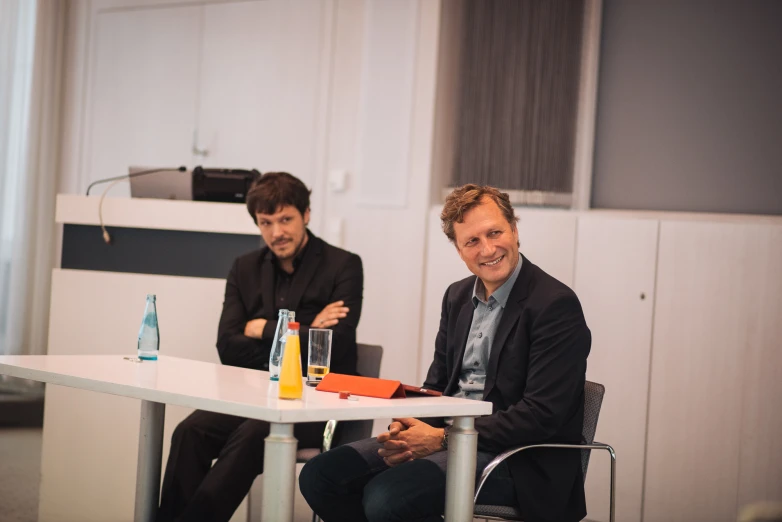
[269, 328]
[444, 441]
[255, 328]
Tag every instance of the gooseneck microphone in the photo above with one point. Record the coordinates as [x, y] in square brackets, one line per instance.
[134, 175]
[114, 181]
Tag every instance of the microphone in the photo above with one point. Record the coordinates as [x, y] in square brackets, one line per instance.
[134, 175]
[115, 180]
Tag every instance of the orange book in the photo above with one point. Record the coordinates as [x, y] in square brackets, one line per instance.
[371, 387]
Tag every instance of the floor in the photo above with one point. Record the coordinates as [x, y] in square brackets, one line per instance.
[20, 464]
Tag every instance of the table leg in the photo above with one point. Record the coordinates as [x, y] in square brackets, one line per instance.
[460, 474]
[150, 454]
[279, 474]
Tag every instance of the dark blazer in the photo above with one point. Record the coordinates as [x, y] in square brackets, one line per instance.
[326, 274]
[535, 382]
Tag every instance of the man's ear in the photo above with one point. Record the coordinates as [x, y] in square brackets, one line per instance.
[306, 217]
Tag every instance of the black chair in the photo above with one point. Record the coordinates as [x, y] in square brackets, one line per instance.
[368, 365]
[593, 400]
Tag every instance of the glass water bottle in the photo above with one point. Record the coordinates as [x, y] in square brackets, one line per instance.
[278, 345]
[149, 333]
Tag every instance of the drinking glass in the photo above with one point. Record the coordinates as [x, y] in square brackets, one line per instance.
[319, 354]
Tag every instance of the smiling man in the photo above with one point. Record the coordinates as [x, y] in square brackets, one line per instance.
[511, 335]
[295, 270]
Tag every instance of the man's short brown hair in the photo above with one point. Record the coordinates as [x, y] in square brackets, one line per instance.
[468, 196]
[274, 190]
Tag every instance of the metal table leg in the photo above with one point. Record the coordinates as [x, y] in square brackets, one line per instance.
[150, 454]
[279, 474]
[460, 474]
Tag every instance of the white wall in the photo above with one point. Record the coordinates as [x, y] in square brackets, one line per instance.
[688, 116]
[383, 211]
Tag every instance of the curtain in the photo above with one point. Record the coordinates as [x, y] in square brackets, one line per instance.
[31, 54]
[516, 97]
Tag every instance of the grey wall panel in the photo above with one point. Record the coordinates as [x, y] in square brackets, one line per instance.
[689, 115]
[147, 251]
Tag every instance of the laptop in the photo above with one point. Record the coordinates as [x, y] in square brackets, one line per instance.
[166, 184]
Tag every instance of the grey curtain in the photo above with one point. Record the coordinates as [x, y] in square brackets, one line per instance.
[517, 92]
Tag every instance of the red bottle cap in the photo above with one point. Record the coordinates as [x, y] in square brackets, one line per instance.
[344, 394]
[293, 325]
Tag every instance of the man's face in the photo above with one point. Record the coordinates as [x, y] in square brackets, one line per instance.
[487, 244]
[285, 231]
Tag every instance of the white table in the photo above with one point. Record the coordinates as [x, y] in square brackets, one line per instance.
[248, 393]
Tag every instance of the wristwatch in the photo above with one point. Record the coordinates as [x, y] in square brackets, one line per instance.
[444, 442]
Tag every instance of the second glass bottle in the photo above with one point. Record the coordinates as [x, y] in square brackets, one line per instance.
[278, 344]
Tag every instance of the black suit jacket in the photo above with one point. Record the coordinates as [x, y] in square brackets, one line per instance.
[535, 382]
[326, 274]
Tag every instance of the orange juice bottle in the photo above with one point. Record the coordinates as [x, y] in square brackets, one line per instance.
[290, 373]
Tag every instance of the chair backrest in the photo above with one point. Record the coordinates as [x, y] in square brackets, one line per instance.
[593, 400]
[368, 365]
[369, 358]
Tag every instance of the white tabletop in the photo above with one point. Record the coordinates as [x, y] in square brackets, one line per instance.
[223, 389]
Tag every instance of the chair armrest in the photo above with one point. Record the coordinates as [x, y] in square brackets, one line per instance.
[499, 459]
[328, 435]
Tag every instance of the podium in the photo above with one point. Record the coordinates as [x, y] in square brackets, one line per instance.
[154, 236]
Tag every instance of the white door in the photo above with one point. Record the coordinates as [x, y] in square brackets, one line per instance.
[142, 100]
[262, 78]
[614, 279]
[380, 133]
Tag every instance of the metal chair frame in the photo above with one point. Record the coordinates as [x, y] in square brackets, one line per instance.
[594, 446]
[585, 463]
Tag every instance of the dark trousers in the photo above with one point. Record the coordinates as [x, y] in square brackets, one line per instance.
[196, 490]
[351, 483]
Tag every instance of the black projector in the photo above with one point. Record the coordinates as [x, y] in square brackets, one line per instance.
[222, 185]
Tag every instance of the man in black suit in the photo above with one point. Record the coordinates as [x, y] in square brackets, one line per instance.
[511, 335]
[295, 270]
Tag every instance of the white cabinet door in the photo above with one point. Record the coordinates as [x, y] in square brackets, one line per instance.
[614, 279]
[760, 471]
[261, 80]
[714, 416]
[142, 104]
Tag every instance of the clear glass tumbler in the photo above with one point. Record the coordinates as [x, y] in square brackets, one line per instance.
[319, 358]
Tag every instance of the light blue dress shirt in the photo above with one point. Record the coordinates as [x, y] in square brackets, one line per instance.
[485, 320]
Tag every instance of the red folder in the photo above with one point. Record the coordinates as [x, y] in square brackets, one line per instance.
[370, 387]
